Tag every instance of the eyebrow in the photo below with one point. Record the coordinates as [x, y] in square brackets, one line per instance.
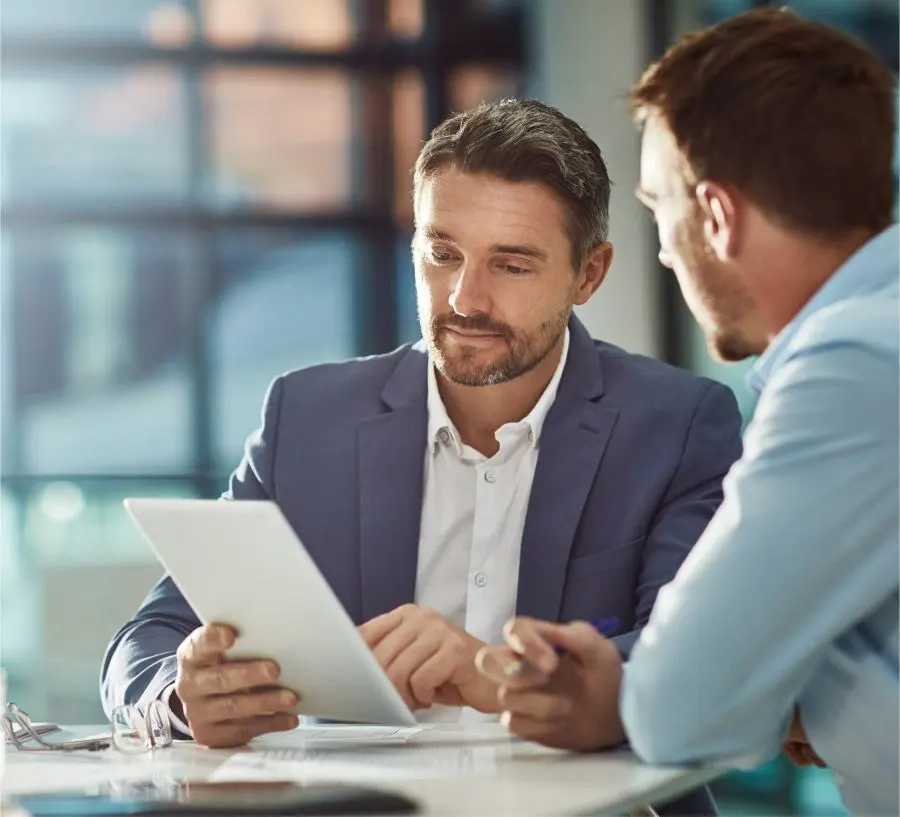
[526, 250]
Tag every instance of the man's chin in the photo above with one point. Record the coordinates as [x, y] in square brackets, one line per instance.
[729, 349]
[472, 372]
[475, 377]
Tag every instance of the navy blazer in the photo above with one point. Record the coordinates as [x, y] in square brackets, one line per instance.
[632, 456]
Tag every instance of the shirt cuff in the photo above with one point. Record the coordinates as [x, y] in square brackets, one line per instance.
[176, 722]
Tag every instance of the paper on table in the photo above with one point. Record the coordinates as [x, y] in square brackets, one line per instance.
[349, 736]
[335, 733]
[389, 763]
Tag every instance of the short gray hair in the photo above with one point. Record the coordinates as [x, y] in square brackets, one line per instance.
[527, 141]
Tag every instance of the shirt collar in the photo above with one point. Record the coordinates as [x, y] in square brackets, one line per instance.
[871, 267]
[439, 421]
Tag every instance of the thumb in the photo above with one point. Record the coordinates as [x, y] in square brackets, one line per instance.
[583, 643]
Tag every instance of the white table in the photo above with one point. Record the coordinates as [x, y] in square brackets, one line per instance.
[451, 770]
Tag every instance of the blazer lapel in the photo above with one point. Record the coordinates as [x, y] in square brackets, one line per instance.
[572, 443]
[391, 473]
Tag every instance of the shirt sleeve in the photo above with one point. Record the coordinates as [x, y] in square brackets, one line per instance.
[176, 721]
[803, 548]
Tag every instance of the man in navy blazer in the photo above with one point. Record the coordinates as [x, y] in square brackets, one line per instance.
[506, 464]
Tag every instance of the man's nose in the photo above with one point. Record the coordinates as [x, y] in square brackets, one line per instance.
[471, 291]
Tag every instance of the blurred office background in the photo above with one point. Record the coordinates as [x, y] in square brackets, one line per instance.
[200, 194]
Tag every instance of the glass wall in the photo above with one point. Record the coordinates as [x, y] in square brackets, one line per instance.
[196, 195]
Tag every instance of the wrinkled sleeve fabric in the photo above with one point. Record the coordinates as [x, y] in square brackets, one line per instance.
[802, 548]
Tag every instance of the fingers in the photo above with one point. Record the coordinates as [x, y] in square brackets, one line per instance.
[227, 703]
[394, 644]
[497, 663]
[237, 733]
[206, 645]
[418, 650]
[535, 705]
[539, 730]
[222, 679]
[241, 706]
[431, 672]
[374, 630]
[533, 640]
[581, 641]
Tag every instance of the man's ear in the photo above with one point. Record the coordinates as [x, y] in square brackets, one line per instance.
[593, 271]
[720, 218]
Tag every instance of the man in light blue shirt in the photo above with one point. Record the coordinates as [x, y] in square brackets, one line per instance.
[767, 165]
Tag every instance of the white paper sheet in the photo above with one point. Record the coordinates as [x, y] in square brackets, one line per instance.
[335, 734]
[403, 763]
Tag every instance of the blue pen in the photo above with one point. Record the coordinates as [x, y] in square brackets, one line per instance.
[604, 626]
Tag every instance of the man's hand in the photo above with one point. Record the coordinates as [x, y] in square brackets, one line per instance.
[226, 703]
[429, 660]
[567, 700]
[797, 746]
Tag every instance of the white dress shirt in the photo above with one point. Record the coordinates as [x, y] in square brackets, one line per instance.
[473, 515]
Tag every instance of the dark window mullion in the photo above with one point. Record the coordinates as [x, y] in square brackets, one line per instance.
[203, 268]
[436, 73]
[376, 295]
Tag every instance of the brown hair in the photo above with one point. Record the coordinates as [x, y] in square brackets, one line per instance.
[527, 141]
[796, 115]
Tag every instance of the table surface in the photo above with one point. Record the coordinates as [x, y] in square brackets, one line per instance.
[449, 769]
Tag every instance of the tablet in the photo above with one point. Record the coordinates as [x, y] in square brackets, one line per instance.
[240, 563]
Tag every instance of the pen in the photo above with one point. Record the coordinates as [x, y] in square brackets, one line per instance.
[604, 626]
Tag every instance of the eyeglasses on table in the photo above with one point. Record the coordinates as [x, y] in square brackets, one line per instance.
[133, 730]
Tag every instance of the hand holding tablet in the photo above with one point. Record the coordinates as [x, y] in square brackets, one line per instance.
[239, 563]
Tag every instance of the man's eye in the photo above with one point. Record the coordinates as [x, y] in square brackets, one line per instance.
[441, 256]
[514, 270]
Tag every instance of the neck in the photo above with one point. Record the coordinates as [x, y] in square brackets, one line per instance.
[478, 411]
[803, 268]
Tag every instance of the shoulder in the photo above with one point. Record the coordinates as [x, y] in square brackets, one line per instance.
[638, 377]
[868, 324]
[355, 383]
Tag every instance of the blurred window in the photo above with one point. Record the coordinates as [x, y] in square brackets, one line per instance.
[309, 25]
[93, 136]
[286, 302]
[196, 196]
[99, 366]
[161, 22]
[280, 139]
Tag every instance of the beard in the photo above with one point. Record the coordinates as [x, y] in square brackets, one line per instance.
[720, 303]
[466, 366]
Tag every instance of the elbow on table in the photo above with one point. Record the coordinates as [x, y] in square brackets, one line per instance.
[662, 731]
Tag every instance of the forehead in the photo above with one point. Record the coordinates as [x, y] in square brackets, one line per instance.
[478, 205]
[660, 159]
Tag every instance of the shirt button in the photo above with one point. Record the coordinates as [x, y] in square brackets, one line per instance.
[490, 476]
[444, 436]
[480, 579]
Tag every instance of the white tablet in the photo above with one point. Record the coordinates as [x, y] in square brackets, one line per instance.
[240, 563]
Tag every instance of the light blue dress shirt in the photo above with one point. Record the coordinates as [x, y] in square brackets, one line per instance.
[791, 594]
